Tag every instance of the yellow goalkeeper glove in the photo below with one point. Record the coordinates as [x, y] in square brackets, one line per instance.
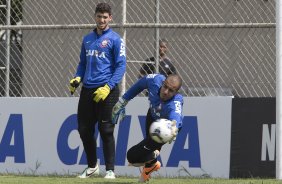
[101, 93]
[74, 83]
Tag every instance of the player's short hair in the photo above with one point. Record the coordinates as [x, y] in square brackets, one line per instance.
[103, 8]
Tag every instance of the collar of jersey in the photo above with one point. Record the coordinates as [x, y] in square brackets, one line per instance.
[103, 32]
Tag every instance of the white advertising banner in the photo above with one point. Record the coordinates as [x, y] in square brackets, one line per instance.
[39, 136]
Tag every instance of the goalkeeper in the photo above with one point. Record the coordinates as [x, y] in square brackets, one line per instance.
[165, 102]
[101, 68]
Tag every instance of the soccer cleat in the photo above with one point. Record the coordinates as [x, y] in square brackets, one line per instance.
[89, 172]
[145, 175]
[110, 175]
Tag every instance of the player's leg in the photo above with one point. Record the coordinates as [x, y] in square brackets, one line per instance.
[142, 152]
[153, 164]
[106, 129]
[86, 129]
[145, 154]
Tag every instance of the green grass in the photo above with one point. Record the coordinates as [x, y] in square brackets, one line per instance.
[21, 179]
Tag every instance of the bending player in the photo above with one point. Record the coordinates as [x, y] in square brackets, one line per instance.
[165, 102]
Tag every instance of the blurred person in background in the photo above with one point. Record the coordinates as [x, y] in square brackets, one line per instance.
[165, 65]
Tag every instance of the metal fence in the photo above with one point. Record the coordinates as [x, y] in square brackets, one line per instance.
[219, 47]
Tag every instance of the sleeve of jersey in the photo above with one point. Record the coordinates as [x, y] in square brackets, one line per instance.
[176, 110]
[82, 63]
[134, 90]
[120, 62]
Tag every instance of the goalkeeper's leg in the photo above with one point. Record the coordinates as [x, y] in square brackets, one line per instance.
[145, 151]
[144, 154]
[106, 128]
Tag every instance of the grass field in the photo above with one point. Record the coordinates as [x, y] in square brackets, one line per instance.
[20, 179]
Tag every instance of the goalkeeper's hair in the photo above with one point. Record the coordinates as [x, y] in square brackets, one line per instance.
[103, 8]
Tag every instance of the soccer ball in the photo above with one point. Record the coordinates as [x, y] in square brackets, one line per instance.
[160, 131]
